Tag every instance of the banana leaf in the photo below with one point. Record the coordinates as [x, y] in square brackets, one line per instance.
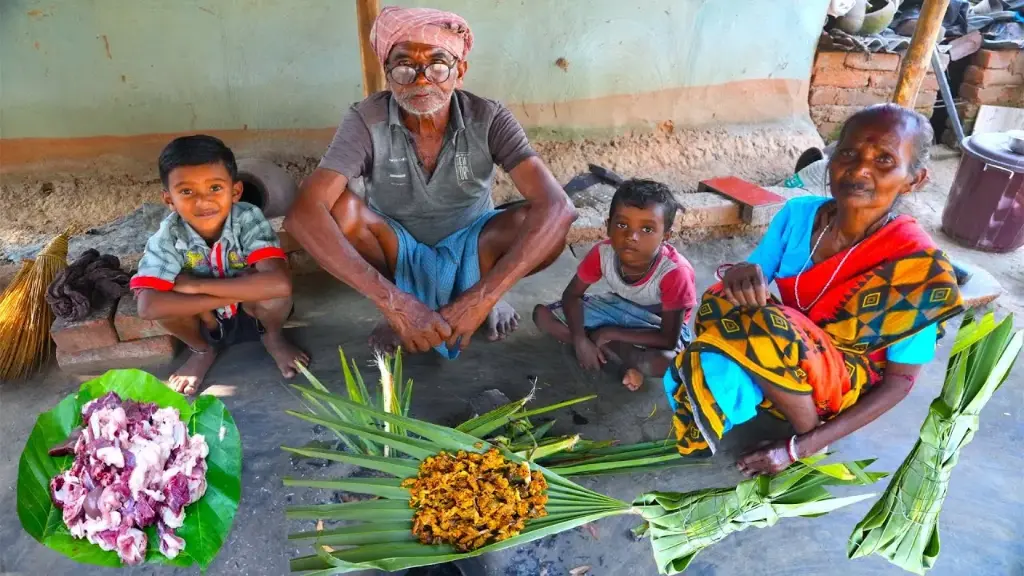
[207, 521]
[382, 539]
[902, 526]
[680, 525]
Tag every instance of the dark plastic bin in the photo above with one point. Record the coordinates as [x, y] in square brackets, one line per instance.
[985, 207]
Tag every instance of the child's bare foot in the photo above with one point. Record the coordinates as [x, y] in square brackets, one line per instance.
[284, 353]
[633, 379]
[502, 320]
[187, 379]
[383, 339]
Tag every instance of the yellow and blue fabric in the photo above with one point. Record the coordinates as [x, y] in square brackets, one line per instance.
[882, 306]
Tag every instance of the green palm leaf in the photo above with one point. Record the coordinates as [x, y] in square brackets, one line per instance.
[381, 537]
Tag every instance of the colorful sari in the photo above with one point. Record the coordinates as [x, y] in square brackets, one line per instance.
[891, 286]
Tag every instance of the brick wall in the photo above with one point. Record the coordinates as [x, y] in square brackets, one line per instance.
[994, 77]
[844, 82]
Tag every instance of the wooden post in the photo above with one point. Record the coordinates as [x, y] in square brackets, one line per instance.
[373, 74]
[917, 61]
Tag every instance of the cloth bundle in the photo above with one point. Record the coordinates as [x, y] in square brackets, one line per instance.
[90, 282]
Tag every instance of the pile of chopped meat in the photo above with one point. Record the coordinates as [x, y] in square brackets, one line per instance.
[135, 465]
[470, 500]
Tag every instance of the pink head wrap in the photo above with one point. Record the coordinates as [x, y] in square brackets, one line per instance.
[395, 25]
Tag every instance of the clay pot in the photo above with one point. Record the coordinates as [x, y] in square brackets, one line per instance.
[267, 186]
[852, 22]
[864, 20]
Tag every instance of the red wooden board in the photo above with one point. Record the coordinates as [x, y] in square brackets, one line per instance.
[741, 191]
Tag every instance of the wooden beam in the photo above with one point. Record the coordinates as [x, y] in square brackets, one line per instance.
[917, 61]
[373, 74]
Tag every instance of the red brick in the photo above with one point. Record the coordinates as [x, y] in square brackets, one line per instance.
[986, 77]
[843, 78]
[837, 114]
[94, 331]
[832, 96]
[128, 324]
[995, 58]
[930, 83]
[873, 61]
[830, 61]
[998, 95]
[883, 80]
[144, 353]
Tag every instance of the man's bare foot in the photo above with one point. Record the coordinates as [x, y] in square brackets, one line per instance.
[502, 320]
[187, 379]
[383, 339]
[633, 379]
[284, 353]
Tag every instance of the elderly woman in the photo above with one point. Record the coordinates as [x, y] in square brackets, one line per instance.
[863, 294]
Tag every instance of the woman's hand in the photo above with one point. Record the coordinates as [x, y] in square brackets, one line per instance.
[770, 459]
[744, 285]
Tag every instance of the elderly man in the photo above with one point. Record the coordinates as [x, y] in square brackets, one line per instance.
[425, 243]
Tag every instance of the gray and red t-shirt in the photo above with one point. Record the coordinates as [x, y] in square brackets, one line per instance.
[669, 285]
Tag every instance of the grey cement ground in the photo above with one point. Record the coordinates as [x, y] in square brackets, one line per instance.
[981, 525]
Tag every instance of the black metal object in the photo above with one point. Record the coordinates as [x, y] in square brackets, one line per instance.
[947, 97]
[594, 175]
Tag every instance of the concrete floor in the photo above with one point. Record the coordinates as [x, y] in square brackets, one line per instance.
[981, 528]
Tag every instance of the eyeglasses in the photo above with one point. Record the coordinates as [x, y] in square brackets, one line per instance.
[435, 73]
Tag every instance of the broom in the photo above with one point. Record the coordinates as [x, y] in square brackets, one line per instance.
[25, 317]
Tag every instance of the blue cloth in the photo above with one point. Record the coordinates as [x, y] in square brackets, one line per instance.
[437, 274]
[782, 253]
[610, 309]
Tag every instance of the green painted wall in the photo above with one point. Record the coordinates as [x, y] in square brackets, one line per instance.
[74, 68]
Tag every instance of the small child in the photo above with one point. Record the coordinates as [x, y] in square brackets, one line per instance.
[215, 266]
[642, 323]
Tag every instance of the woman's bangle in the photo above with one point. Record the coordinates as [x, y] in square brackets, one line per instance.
[791, 450]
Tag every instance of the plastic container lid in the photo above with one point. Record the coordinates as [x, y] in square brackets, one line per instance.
[994, 148]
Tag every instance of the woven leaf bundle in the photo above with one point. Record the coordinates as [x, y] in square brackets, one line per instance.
[903, 526]
[25, 317]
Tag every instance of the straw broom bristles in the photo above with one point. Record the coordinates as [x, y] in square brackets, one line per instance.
[25, 317]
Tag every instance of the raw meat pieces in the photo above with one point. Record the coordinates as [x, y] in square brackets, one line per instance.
[135, 466]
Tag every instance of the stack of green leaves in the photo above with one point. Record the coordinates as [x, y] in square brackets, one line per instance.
[682, 524]
[508, 426]
[394, 398]
[902, 526]
[383, 539]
